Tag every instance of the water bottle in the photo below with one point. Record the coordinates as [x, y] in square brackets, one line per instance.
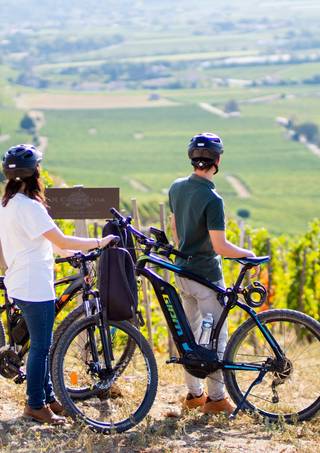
[206, 329]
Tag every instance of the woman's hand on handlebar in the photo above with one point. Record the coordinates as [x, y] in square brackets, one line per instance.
[109, 240]
[64, 253]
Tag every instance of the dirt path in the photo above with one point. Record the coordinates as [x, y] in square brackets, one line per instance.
[302, 139]
[43, 143]
[311, 146]
[39, 119]
[238, 186]
[263, 99]
[138, 185]
[166, 429]
[214, 110]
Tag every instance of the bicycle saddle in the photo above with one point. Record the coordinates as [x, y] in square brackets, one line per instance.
[256, 261]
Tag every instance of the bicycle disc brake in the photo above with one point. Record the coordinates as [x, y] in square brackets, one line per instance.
[10, 363]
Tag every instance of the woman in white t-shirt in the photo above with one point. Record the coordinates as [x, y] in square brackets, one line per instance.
[27, 234]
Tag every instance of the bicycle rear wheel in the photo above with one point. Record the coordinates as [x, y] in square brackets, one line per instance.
[118, 399]
[292, 393]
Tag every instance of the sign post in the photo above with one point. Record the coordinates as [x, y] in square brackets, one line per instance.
[82, 203]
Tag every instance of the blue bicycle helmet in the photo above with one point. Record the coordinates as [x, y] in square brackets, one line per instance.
[204, 150]
[20, 161]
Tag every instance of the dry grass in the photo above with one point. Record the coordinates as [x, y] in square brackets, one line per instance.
[159, 432]
[54, 101]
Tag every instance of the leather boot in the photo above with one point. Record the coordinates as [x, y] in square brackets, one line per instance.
[193, 402]
[43, 415]
[216, 407]
[56, 407]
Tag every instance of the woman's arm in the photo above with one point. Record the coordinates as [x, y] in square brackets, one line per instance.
[60, 240]
[63, 252]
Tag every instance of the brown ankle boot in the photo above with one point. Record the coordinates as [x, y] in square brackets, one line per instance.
[56, 407]
[193, 402]
[216, 407]
[43, 415]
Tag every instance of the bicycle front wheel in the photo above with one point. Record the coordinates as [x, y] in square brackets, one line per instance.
[292, 393]
[119, 398]
[75, 315]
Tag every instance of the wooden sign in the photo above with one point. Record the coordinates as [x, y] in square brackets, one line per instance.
[82, 203]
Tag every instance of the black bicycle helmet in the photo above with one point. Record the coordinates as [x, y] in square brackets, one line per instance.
[205, 145]
[204, 150]
[20, 161]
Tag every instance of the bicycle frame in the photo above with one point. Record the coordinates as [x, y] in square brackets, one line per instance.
[75, 285]
[172, 308]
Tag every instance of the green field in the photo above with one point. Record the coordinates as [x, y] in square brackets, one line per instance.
[186, 55]
[142, 150]
[282, 176]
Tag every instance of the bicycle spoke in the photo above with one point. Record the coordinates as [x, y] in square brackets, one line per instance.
[288, 389]
[106, 397]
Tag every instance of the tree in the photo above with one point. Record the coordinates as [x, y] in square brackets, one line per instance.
[28, 124]
[243, 213]
[310, 131]
[231, 106]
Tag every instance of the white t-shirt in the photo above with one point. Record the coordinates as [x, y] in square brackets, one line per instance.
[28, 255]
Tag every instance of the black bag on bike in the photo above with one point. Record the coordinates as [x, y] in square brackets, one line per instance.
[117, 284]
[126, 239]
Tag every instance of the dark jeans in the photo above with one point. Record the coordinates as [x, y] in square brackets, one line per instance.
[39, 317]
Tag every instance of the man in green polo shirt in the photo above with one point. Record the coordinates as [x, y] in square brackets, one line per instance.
[198, 227]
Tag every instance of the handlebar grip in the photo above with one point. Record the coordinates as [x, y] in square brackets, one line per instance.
[61, 260]
[116, 214]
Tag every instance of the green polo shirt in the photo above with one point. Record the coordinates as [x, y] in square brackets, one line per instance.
[197, 209]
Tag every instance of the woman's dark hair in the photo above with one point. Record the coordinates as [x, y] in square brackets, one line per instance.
[34, 188]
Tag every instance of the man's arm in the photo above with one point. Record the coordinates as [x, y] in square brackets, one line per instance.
[174, 230]
[225, 248]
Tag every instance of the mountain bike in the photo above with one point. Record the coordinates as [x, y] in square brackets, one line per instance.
[14, 348]
[12, 355]
[270, 363]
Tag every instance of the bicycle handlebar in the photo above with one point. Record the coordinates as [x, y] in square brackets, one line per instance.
[79, 257]
[168, 249]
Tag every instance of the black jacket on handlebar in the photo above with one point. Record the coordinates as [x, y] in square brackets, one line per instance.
[117, 284]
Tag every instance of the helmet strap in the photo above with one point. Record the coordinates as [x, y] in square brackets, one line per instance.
[202, 165]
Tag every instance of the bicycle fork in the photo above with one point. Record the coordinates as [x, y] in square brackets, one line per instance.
[106, 346]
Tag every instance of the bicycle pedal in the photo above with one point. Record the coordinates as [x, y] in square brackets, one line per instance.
[173, 360]
[20, 378]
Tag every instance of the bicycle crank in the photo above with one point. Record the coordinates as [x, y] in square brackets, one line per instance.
[10, 363]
